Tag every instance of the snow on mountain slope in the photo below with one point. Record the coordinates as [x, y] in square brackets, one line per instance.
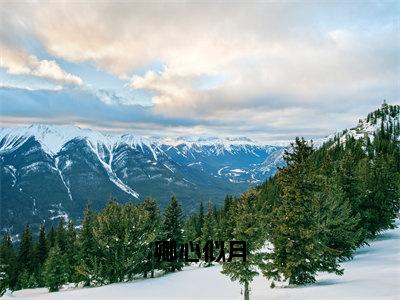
[373, 274]
[54, 137]
[51, 137]
[67, 166]
[386, 116]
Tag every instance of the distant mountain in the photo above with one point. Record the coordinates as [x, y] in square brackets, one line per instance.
[52, 171]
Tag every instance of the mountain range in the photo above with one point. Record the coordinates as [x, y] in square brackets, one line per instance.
[53, 171]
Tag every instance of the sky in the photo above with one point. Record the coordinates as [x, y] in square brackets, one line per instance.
[268, 70]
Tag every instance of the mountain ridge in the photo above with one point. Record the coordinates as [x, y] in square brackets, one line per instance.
[48, 171]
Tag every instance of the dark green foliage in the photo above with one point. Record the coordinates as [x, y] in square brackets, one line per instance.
[25, 258]
[86, 247]
[123, 239]
[71, 251]
[8, 265]
[40, 253]
[172, 230]
[61, 236]
[153, 231]
[209, 230]
[295, 232]
[55, 271]
[41, 247]
[248, 221]
[199, 221]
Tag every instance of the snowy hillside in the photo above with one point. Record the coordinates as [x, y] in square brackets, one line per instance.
[374, 273]
[384, 117]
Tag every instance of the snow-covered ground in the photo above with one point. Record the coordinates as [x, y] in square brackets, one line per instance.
[373, 274]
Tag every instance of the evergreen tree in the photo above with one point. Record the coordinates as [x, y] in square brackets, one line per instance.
[25, 258]
[379, 199]
[8, 264]
[190, 228]
[340, 231]
[295, 232]
[71, 251]
[61, 236]
[209, 227]
[41, 247]
[55, 269]
[123, 241]
[40, 254]
[172, 231]
[227, 218]
[87, 247]
[248, 223]
[153, 229]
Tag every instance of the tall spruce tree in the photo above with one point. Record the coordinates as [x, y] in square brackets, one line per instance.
[71, 251]
[25, 258]
[123, 241]
[61, 236]
[298, 253]
[40, 253]
[153, 229]
[55, 271]
[209, 228]
[248, 226]
[87, 247]
[172, 231]
[41, 247]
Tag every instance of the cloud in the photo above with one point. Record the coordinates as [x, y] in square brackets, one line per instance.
[18, 62]
[281, 67]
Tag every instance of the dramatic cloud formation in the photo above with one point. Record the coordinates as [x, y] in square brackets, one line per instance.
[277, 68]
[20, 63]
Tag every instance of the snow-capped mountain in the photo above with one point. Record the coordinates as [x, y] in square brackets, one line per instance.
[52, 171]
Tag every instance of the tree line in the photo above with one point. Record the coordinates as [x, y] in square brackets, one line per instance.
[308, 218]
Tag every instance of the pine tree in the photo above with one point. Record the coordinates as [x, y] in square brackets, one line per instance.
[209, 227]
[172, 231]
[55, 269]
[123, 241]
[25, 258]
[153, 229]
[41, 247]
[340, 231]
[40, 254]
[71, 251]
[61, 236]
[227, 219]
[86, 247]
[379, 199]
[8, 263]
[295, 233]
[190, 228]
[248, 222]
